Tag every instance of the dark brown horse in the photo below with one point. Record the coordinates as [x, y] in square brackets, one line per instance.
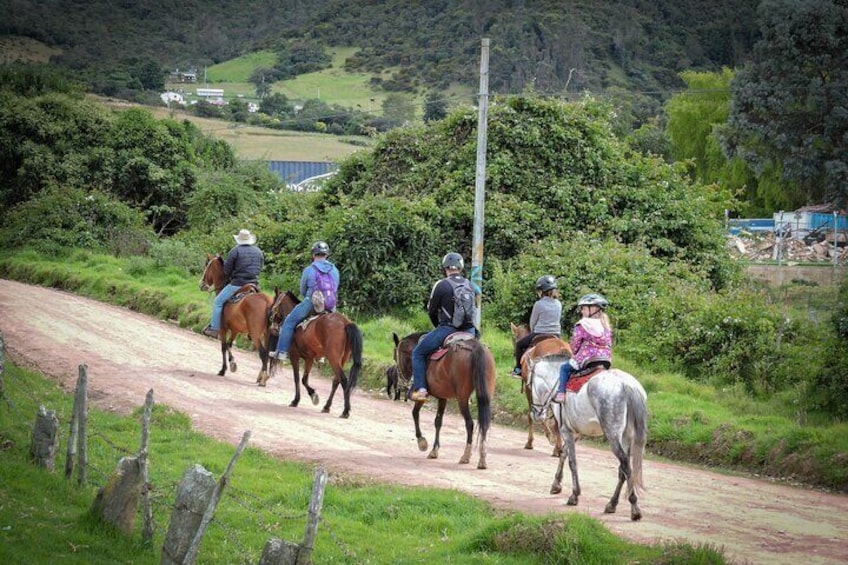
[330, 336]
[466, 367]
[250, 316]
[540, 389]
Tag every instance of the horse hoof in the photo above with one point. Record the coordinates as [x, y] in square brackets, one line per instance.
[293, 404]
[345, 415]
[433, 455]
[572, 501]
[325, 410]
[609, 509]
[233, 367]
[260, 383]
[315, 399]
[422, 444]
[482, 465]
[636, 515]
[221, 373]
[528, 445]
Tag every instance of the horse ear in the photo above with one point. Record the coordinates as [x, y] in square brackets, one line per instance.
[395, 337]
[276, 291]
[209, 256]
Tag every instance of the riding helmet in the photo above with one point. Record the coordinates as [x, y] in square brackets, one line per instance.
[453, 261]
[320, 248]
[593, 299]
[546, 283]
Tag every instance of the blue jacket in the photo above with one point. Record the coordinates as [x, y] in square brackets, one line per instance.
[307, 278]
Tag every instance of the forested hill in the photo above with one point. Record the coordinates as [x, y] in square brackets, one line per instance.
[553, 45]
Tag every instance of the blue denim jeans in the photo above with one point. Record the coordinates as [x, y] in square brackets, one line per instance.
[296, 316]
[218, 306]
[428, 344]
[564, 373]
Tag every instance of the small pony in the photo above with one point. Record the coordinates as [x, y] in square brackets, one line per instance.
[539, 389]
[248, 312]
[455, 371]
[613, 404]
[329, 335]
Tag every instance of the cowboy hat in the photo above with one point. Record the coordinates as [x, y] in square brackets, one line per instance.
[244, 237]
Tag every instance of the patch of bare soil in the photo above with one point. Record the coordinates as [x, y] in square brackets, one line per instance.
[127, 354]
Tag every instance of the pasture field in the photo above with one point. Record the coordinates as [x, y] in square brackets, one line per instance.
[252, 142]
[24, 50]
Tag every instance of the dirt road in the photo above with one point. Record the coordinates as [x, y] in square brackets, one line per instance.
[127, 354]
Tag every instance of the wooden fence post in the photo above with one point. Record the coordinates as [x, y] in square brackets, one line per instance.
[81, 410]
[2, 365]
[304, 555]
[147, 531]
[73, 435]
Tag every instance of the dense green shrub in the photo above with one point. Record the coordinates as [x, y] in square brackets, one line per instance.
[69, 217]
[830, 390]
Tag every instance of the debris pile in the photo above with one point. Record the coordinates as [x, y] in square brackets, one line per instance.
[764, 246]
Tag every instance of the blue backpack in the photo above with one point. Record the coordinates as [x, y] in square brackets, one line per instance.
[325, 286]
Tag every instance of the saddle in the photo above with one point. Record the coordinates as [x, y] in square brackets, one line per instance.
[581, 377]
[244, 291]
[312, 317]
[450, 341]
[540, 338]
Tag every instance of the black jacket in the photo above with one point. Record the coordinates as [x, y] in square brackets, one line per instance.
[243, 265]
[440, 305]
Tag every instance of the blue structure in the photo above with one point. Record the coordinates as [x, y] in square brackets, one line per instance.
[750, 225]
[295, 172]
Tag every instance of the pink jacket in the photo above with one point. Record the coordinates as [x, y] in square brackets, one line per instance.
[591, 341]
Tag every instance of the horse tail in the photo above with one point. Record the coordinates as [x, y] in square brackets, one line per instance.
[637, 413]
[481, 368]
[354, 341]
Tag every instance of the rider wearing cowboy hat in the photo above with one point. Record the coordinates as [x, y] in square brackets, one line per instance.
[242, 266]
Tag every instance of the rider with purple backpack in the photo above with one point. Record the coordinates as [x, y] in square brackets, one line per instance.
[320, 276]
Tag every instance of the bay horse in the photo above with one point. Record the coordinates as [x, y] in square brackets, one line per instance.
[540, 388]
[250, 316]
[466, 367]
[331, 336]
[613, 404]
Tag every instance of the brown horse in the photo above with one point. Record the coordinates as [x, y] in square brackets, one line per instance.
[330, 336]
[466, 367]
[538, 391]
[249, 315]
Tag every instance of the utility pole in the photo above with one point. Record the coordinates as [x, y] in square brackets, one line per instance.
[480, 181]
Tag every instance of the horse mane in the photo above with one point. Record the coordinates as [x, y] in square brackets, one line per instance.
[293, 297]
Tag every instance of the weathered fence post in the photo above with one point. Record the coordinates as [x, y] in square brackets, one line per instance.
[2, 365]
[280, 552]
[203, 496]
[315, 504]
[193, 496]
[147, 531]
[117, 502]
[81, 415]
[73, 432]
[45, 438]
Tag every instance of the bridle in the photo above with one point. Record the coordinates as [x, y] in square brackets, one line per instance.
[203, 284]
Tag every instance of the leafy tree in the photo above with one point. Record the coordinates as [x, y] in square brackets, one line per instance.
[435, 106]
[788, 115]
[277, 105]
[397, 108]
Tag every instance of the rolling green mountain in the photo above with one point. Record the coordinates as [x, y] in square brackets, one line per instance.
[552, 46]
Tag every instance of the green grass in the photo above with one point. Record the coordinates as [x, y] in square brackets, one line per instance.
[690, 421]
[240, 68]
[46, 519]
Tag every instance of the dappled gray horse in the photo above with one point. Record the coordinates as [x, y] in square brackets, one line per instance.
[611, 404]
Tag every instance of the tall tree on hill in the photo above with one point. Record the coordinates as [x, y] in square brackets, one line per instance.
[789, 114]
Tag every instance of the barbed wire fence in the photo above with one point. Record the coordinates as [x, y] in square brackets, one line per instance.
[156, 492]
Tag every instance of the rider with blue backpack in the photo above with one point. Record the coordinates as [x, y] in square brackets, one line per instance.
[320, 276]
[450, 311]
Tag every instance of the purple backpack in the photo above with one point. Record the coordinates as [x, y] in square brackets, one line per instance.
[325, 284]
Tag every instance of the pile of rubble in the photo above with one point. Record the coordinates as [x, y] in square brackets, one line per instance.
[765, 246]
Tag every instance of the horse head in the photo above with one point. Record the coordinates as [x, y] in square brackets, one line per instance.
[213, 274]
[283, 303]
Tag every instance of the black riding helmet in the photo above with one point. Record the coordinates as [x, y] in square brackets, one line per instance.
[320, 248]
[453, 261]
[546, 283]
